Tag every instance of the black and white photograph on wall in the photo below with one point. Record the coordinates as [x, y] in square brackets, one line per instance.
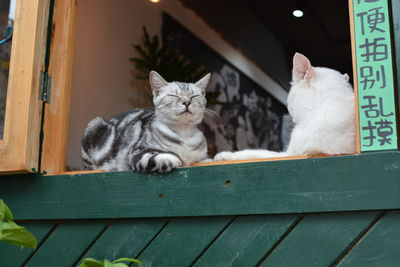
[249, 116]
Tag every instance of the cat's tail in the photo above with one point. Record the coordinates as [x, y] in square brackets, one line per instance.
[248, 154]
[97, 143]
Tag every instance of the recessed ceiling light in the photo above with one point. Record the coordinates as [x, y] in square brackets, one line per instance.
[298, 13]
[154, 1]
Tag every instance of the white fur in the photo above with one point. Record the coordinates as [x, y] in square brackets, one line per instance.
[168, 160]
[321, 103]
[247, 154]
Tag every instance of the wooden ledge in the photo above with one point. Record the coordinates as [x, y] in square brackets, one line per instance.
[345, 183]
[214, 163]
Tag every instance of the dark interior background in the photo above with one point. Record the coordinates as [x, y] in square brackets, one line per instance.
[268, 33]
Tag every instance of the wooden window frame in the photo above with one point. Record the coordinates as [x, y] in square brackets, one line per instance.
[56, 115]
[20, 144]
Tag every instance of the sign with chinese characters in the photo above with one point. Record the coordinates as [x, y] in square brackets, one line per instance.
[376, 102]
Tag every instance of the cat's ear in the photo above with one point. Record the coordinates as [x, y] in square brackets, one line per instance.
[202, 83]
[346, 77]
[156, 82]
[302, 69]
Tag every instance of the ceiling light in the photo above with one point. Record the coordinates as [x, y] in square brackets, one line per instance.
[154, 1]
[298, 9]
[298, 13]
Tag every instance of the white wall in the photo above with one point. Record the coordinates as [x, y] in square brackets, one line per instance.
[102, 80]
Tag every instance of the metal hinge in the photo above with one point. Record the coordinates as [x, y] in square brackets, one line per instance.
[45, 87]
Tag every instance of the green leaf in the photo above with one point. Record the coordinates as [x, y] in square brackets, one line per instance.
[107, 263]
[90, 262]
[128, 260]
[17, 235]
[5, 212]
[9, 225]
[2, 209]
[163, 56]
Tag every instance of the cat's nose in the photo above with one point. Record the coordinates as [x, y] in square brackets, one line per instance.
[186, 103]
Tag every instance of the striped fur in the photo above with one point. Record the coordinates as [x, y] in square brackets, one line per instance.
[151, 140]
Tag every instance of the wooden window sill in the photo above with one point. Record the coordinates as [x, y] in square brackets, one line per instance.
[217, 163]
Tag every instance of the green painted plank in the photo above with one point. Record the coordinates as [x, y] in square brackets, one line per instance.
[375, 76]
[246, 240]
[182, 240]
[379, 247]
[125, 238]
[319, 239]
[67, 243]
[365, 182]
[396, 37]
[15, 256]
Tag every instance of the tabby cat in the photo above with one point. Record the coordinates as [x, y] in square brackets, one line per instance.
[156, 140]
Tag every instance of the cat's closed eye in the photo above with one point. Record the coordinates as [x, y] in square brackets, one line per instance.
[192, 97]
[174, 96]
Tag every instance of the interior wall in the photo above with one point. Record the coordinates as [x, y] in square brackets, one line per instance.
[102, 83]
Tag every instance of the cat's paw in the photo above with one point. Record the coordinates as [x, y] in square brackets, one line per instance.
[224, 156]
[166, 162]
[207, 160]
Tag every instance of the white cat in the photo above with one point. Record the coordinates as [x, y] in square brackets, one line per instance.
[321, 103]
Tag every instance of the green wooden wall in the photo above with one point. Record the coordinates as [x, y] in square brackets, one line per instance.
[338, 211]
[331, 239]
